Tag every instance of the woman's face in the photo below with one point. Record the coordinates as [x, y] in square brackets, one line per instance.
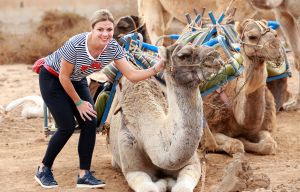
[103, 32]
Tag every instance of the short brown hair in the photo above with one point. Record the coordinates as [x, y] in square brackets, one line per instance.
[101, 15]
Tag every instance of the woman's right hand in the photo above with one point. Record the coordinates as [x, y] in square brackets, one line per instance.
[86, 110]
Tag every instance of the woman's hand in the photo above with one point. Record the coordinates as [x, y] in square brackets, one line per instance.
[86, 110]
[159, 66]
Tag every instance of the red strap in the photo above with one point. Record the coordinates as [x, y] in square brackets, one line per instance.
[50, 70]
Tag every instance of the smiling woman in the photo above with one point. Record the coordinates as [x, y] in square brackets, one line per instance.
[63, 86]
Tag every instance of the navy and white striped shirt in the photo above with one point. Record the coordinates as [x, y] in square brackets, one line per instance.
[75, 51]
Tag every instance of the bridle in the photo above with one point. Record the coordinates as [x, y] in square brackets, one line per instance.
[172, 67]
[264, 29]
[191, 64]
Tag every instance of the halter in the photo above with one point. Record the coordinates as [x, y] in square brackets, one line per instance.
[191, 64]
[192, 61]
[263, 30]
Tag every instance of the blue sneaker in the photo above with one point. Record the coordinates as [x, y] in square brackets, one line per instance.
[45, 178]
[89, 181]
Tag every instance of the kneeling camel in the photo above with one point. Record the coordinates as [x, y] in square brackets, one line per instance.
[244, 120]
[154, 138]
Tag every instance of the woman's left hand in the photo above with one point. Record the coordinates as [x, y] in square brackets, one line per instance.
[159, 66]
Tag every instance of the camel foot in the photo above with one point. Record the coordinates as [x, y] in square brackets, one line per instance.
[233, 147]
[162, 185]
[267, 146]
[183, 187]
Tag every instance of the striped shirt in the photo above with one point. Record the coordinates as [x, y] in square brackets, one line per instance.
[76, 52]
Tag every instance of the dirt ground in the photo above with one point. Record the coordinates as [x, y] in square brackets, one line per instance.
[23, 145]
[22, 141]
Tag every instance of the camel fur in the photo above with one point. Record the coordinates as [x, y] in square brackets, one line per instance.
[32, 106]
[245, 124]
[287, 13]
[161, 15]
[154, 137]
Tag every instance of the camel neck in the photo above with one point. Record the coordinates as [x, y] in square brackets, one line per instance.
[183, 101]
[252, 94]
[257, 74]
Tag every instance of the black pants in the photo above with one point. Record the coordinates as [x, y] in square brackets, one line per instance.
[63, 111]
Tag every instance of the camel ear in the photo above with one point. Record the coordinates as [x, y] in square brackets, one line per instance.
[239, 26]
[185, 51]
[165, 52]
[265, 22]
[162, 52]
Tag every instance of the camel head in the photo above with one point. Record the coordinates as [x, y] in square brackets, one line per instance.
[259, 42]
[128, 24]
[188, 65]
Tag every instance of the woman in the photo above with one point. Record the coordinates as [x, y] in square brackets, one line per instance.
[65, 91]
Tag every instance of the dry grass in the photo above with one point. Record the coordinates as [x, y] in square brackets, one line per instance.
[53, 30]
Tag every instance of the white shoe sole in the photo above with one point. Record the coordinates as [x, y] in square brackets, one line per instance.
[90, 186]
[45, 186]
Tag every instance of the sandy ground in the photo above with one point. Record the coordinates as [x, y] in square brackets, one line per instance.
[22, 145]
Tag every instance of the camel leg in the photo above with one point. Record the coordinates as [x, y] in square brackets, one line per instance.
[291, 30]
[137, 173]
[188, 176]
[141, 182]
[228, 144]
[152, 13]
[265, 146]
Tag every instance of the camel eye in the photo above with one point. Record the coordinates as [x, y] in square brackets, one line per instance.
[252, 37]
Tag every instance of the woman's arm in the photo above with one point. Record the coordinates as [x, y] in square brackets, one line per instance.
[136, 75]
[85, 108]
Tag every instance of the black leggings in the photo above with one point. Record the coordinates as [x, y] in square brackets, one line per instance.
[63, 111]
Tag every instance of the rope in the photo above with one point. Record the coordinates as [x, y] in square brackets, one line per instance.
[228, 7]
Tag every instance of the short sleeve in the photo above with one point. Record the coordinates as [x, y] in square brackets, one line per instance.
[119, 53]
[68, 52]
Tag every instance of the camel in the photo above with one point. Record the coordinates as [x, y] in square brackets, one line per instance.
[160, 14]
[244, 121]
[287, 13]
[32, 106]
[129, 24]
[154, 138]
